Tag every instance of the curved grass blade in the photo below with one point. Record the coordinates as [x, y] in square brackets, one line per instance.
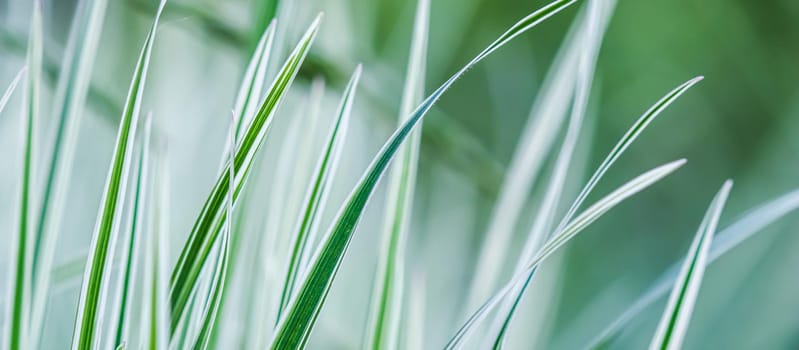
[69, 105]
[387, 294]
[217, 286]
[535, 142]
[264, 299]
[131, 246]
[316, 197]
[574, 227]
[742, 229]
[615, 153]
[625, 142]
[252, 84]
[244, 110]
[295, 326]
[208, 225]
[17, 336]
[155, 318]
[95, 282]
[674, 322]
[591, 37]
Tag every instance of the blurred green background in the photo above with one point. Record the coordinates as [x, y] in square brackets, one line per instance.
[741, 122]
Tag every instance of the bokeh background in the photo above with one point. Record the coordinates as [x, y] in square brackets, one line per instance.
[741, 122]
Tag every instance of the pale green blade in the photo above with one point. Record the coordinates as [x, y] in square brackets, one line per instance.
[154, 323]
[594, 19]
[271, 253]
[626, 141]
[244, 111]
[319, 189]
[68, 109]
[218, 278]
[18, 322]
[562, 237]
[296, 324]
[131, 249]
[674, 322]
[741, 230]
[252, 84]
[209, 222]
[383, 328]
[95, 279]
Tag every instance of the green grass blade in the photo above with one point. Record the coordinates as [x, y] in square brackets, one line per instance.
[674, 322]
[319, 189]
[218, 276]
[18, 323]
[96, 274]
[270, 255]
[252, 84]
[68, 108]
[741, 230]
[594, 24]
[154, 327]
[131, 247]
[562, 237]
[387, 294]
[626, 141]
[296, 324]
[547, 114]
[208, 224]
[244, 110]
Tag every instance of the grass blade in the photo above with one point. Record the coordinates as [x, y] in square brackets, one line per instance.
[131, 247]
[95, 276]
[626, 141]
[252, 84]
[562, 237]
[316, 197]
[594, 19]
[264, 299]
[17, 335]
[738, 232]
[68, 109]
[387, 294]
[674, 322]
[296, 324]
[217, 286]
[208, 224]
[155, 320]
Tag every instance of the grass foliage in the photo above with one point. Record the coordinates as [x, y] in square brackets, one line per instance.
[250, 277]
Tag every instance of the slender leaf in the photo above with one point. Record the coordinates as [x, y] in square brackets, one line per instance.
[741, 230]
[547, 114]
[68, 108]
[316, 197]
[264, 299]
[21, 271]
[131, 247]
[223, 256]
[209, 222]
[387, 294]
[632, 133]
[296, 324]
[574, 227]
[674, 322]
[154, 328]
[95, 280]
